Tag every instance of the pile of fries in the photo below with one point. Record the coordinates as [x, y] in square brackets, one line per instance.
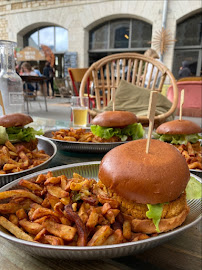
[15, 159]
[192, 154]
[61, 211]
[79, 135]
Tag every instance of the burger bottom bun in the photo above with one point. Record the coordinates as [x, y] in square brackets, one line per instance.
[147, 226]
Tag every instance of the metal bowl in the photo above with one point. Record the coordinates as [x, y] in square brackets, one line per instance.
[85, 147]
[43, 144]
[90, 170]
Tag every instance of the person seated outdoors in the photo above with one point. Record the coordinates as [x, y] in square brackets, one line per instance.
[37, 71]
[26, 70]
[153, 54]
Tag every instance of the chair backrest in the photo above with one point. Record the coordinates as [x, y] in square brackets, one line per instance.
[192, 97]
[132, 67]
[76, 76]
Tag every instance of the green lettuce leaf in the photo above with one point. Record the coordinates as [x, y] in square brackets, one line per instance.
[154, 213]
[3, 135]
[177, 139]
[136, 131]
[193, 189]
[16, 134]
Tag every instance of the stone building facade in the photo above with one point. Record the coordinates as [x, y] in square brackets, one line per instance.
[18, 17]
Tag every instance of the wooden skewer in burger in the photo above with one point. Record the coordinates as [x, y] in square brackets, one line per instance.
[2, 104]
[148, 178]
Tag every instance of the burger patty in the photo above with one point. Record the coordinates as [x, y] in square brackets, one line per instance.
[112, 139]
[31, 145]
[138, 211]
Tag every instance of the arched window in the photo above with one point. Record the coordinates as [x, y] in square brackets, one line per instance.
[55, 38]
[188, 46]
[120, 35]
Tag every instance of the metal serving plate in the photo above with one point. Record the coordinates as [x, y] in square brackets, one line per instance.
[87, 147]
[196, 172]
[90, 170]
[43, 144]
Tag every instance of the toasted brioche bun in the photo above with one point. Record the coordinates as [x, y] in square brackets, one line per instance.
[15, 120]
[165, 224]
[179, 127]
[114, 119]
[157, 177]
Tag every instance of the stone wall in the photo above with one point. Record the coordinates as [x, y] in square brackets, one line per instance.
[17, 17]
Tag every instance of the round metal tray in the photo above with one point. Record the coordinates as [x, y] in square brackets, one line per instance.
[90, 170]
[85, 147]
[43, 144]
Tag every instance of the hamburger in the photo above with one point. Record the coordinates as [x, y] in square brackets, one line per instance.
[149, 187]
[12, 128]
[179, 132]
[116, 126]
[184, 135]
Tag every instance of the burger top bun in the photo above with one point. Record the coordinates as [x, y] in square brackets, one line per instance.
[15, 120]
[114, 119]
[178, 127]
[157, 177]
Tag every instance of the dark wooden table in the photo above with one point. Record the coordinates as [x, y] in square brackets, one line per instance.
[182, 252]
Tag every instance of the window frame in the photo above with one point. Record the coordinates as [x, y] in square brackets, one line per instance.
[116, 50]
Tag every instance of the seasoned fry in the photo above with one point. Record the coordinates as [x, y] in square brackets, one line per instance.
[30, 227]
[53, 240]
[100, 236]
[115, 238]
[14, 219]
[29, 185]
[127, 233]
[93, 219]
[57, 191]
[63, 231]
[21, 214]
[9, 208]
[20, 193]
[15, 230]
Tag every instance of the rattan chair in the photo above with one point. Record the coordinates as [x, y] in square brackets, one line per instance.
[132, 67]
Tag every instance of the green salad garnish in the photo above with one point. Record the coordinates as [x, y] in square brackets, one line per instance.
[177, 139]
[136, 131]
[18, 134]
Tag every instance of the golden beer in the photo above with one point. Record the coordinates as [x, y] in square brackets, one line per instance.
[80, 116]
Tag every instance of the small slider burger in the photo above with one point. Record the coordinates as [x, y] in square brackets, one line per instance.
[149, 187]
[183, 134]
[116, 126]
[12, 129]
